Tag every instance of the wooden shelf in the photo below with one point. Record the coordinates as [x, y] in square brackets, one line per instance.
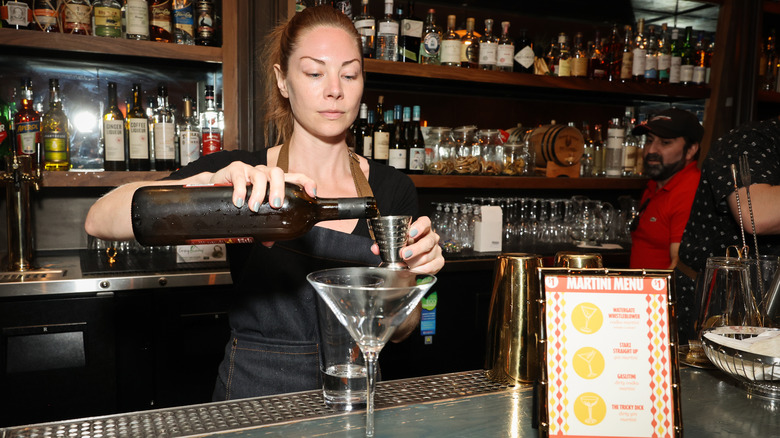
[768, 96]
[436, 72]
[97, 178]
[519, 182]
[116, 47]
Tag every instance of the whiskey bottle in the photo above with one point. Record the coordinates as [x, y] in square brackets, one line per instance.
[211, 132]
[27, 125]
[410, 36]
[177, 215]
[675, 64]
[613, 157]
[161, 21]
[562, 60]
[137, 128]
[114, 144]
[16, 14]
[137, 20]
[596, 66]
[639, 50]
[651, 57]
[55, 132]
[164, 128]
[450, 45]
[613, 55]
[108, 18]
[416, 143]
[664, 55]
[366, 27]
[382, 132]
[205, 23]
[524, 58]
[397, 152]
[627, 63]
[189, 134]
[505, 52]
[686, 58]
[469, 47]
[430, 45]
[579, 58]
[45, 16]
[76, 17]
[183, 22]
[387, 35]
[488, 47]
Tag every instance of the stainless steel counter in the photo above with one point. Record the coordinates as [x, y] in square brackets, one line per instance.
[449, 405]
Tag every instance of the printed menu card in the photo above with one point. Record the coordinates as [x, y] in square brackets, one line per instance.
[608, 364]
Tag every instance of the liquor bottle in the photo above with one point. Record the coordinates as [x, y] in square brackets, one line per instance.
[430, 45]
[562, 57]
[27, 125]
[45, 16]
[366, 27]
[108, 18]
[639, 51]
[210, 129]
[137, 128]
[709, 51]
[368, 136]
[488, 47]
[387, 35]
[16, 15]
[664, 55]
[164, 128]
[6, 133]
[700, 62]
[596, 66]
[189, 134]
[177, 215]
[587, 159]
[686, 59]
[416, 144]
[505, 52]
[161, 21]
[359, 130]
[397, 152]
[627, 63]
[469, 47]
[55, 132]
[651, 57]
[114, 144]
[382, 132]
[345, 6]
[183, 22]
[524, 58]
[613, 55]
[675, 65]
[579, 58]
[137, 20]
[205, 23]
[76, 17]
[598, 152]
[450, 45]
[380, 111]
[410, 36]
[630, 144]
[613, 156]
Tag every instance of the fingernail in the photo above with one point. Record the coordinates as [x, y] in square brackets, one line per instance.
[256, 207]
[407, 253]
[277, 202]
[315, 192]
[240, 202]
[413, 232]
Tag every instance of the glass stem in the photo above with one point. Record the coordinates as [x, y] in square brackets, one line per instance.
[371, 362]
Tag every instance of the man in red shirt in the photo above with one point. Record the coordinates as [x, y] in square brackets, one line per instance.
[670, 155]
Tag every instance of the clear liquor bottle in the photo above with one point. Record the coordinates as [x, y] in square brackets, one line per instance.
[651, 57]
[55, 132]
[108, 18]
[387, 35]
[416, 143]
[505, 53]
[76, 17]
[524, 58]
[189, 134]
[488, 47]
[675, 64]
[664, 55]
[211, 131]
[410, 35]
[562, 62]
[397, 153]
[469, 47]
[687, 58]
[450, 45]
[136, 19]
[639, 50]
[45, 16]
[183, 22]
[114, 141]
[430, 45]
[27, 125]
[137, 128]
[613, 156]
[365, 24]
[164, 128]
[579, 58]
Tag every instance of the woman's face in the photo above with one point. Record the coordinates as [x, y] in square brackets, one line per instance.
[324, 82]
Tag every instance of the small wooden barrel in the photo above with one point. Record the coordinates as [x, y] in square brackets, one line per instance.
[559, 144]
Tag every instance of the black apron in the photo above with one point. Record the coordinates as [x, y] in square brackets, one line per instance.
[274, 345]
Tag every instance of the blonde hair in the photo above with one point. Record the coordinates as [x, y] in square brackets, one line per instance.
[280, 44]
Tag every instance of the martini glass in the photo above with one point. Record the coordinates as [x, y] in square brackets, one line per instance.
[371, 303]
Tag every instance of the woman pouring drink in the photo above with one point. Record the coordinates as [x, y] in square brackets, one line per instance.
[314, 87]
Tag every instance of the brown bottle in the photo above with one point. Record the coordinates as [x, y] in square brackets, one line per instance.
[182, 215]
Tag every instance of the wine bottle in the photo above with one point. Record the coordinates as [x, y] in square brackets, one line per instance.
[639, 51]
[687, 61]
[382, 130]
[396, 156]
[524, 58]
[137, 127]
[55, 132]
[178, 215]
[410, 35]
[164, 129]
[114, 145]
[416, 144]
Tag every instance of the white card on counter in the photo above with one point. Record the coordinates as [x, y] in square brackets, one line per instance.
[201, 253]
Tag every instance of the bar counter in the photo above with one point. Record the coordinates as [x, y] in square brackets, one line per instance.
[449, 405]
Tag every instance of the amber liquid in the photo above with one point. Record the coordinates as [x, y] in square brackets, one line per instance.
[160, 21]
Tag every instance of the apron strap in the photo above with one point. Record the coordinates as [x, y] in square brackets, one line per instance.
[361, 183]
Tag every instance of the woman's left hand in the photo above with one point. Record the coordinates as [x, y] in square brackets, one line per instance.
[422, 252]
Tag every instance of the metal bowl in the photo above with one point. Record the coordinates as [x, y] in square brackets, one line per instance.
[760, 375]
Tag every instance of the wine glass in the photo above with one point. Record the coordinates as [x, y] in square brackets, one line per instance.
[371, 303]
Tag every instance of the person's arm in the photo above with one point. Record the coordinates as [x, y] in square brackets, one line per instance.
[765, 200]
[674, 254]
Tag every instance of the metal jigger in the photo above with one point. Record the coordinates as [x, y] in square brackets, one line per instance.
[390, 233]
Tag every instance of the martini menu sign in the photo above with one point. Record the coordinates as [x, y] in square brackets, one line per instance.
[608, 364]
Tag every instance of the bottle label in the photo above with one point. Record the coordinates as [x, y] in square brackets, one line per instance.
[664, 62]
[416, 159]
[686, 73]
[638, 63]
[160, 16]
[698, 75]
[164, 146]
[431, 44]
[629, 158]
[77, 17]
[108, 22]
[674, 70]
[45, 17]
[184, 21]
[17, 13]
[504, 55]
[366, 27]
[450, 51]
[579, 67]
[55, 146]
[137, 18]
[114, 140]
[368, 146]
[381, 145]
[397, 158]
[563, 67]
[28, 136]
[189, 143]
[525, 57]
[205, 21]
[411, 28]
[626, 67]
[488, 53]
[212, 142]
[387, 28]
[138, 138]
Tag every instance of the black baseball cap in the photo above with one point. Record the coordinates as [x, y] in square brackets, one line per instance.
[672, 123]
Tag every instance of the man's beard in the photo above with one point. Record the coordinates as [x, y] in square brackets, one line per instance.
[662, 172]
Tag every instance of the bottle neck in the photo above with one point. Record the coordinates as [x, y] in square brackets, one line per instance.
[137, 99]
[345, 208]
[112, 97]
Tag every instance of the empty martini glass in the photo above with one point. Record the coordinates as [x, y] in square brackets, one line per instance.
[371, 303]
